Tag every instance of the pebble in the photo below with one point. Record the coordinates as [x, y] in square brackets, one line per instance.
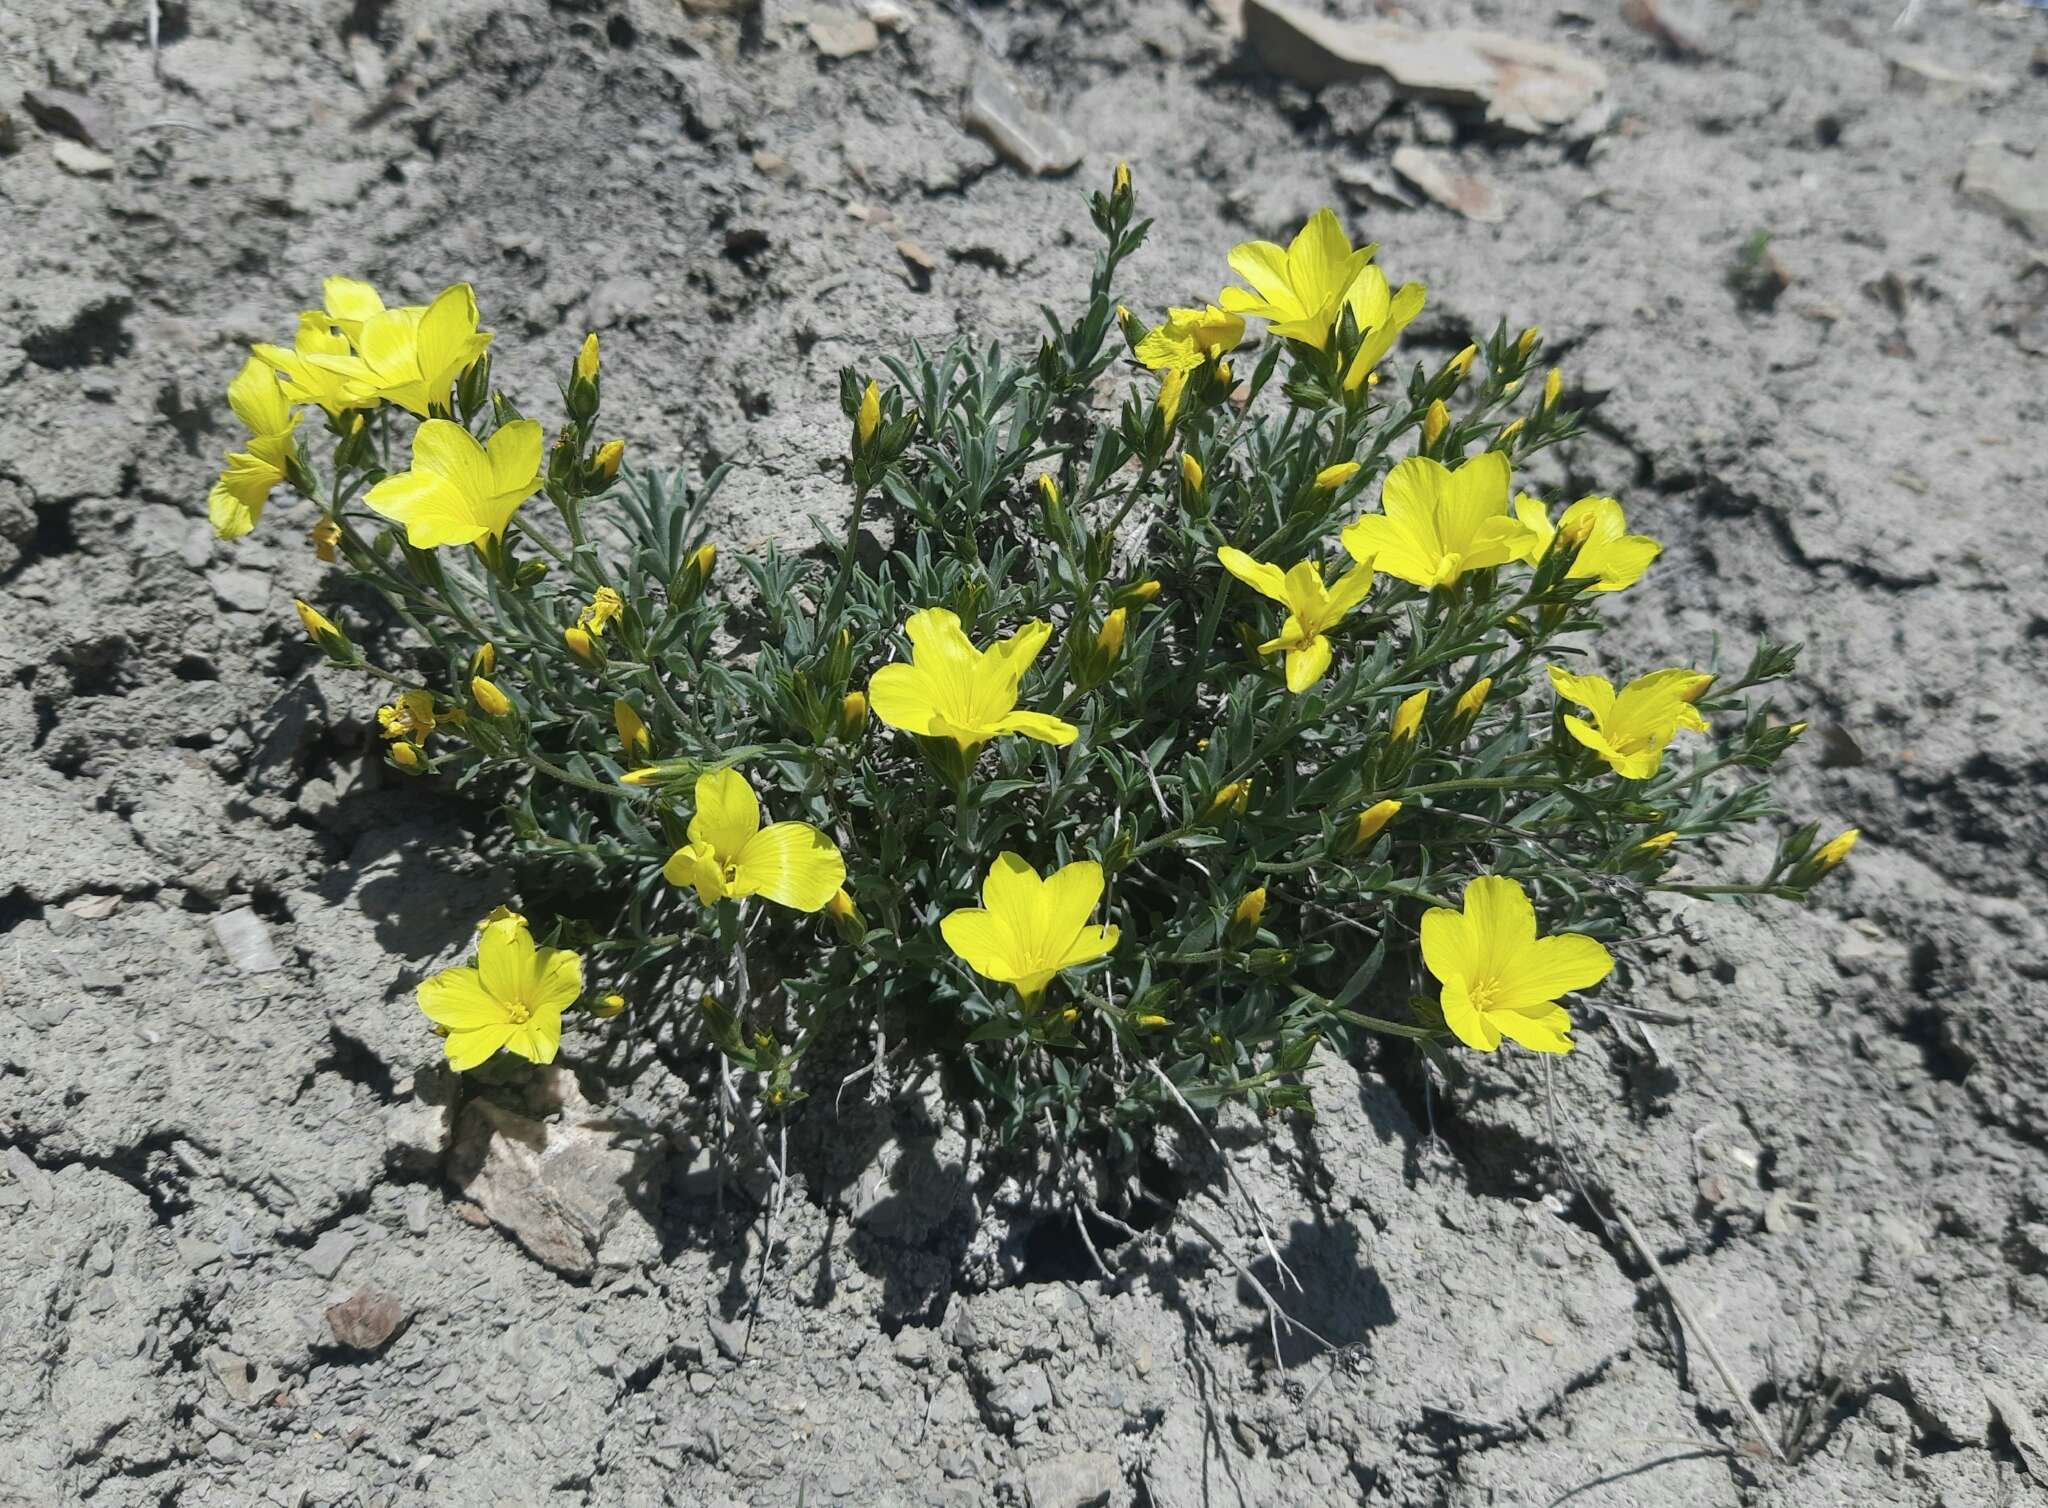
[416, 1213]
[366, 1319]
[1436, 175]
[326, 1255]
[82, 162]
[841, 34]
[1025, 137]
[1073, 1481]
[2009, 183]
[246, 941]
[67, 113]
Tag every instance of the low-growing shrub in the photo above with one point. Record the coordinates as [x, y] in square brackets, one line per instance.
[1204, 703]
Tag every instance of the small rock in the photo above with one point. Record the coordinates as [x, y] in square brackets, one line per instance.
[66, 113]
[1083, 1481]
[1026, 138]
[770, 164]
[2010, 183]
[234, 1372]
[2022, 1426]
[1437, 175]
[32, 1179]
[841, 34]
[912, 1347]
[82, 162]
[1525, 86]
[730, 1336]
[918, 264]
[93, 908]
[418, 1129]
[240, 589]
[557, 1189]
[246, 941]
[1029, 1391]
[366, 62]
[1913, 73]
[197, 1254]
[1669, 21]
[417, 1213]
[888, 15]
[366, 1320]
[1943, 1401]
[702, 1383]
[326, 1255]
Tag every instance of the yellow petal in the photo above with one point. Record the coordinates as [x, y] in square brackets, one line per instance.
[697, 866]
[1471, 1026]
[1550, 967]
[466, 1049]
[557, 979]
[1593, 692]
[505, 964]
[902, 696]
[1268, 580]
[456, 998]
[538, 1038]
[1539, 1031]
[1447, 947]
[1042, 726]
[982, 941]
[791, 864]
[728, 813]
[1305, 666]
[433, 510]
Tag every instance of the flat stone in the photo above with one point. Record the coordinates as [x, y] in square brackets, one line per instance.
[1436, 175]
[1083, 1481]
[326, 1255]
[1523, 85]
[1024, 137]
[245, 939]
[2023, 1427]
[419, 1128]
[1943, 1400]
[74, 116]
[239, 588]
[366, 1320]
[556, 1189]
[841, 34]
[1916, 73]
[2009, 182]
[82, 162]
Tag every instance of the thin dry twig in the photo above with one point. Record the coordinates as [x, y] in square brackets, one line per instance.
[1250, 1199]
[1275, 1315]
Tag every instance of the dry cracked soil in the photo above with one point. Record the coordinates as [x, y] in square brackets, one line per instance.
[240, 1260]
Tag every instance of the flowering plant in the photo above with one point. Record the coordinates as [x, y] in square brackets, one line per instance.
[1199, 711]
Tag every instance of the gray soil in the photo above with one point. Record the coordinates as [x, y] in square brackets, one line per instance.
[1832, 1144]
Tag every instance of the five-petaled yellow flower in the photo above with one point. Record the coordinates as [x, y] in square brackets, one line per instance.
[458, 491]
[1190, 337]
[1596, 528]
[732, 856]
[1435, 524]
[410, 356]
[1300, 289]
[1499, 978]
[1381, 314]
[236, 501]
[1028, 929]
[305, 381]
[512, 998]
[950, 689]
[1313, 609]
[1630, 729]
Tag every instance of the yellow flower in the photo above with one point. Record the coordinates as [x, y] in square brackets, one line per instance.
[1298, 290]
[1330, 478]
[1232, 798]
[633, 736]
[1408, 716]
[587, 358]
[1630, 730]
[1526, 342]
[608, 1005]
[458, 491]
[305, 381]
[870, 416]
[500, 914]
[1370, 822]
[1249, 911]
[236, 502]
[410, 356]
[1461, 364]
[580, 643]
[853, 716]
[1836, 849]
[1313, 609]
[408, 715]
[1473, 699]
[606, 607]
[513, 998]
[1381, 314]
[1499, 978]
[492, 701]
[317, 625]
[1435, 420]
[1435, 524]
[1189, 337]
[1109, 639]
[1553, 387]
[1028, 929]
[485, 660]
[950, 689]
[349, 304]
[1191, 473]
[326, 537]
[1146, 590]
[732, 856]
[1597, 530]
[1658, 843]
[606, 461]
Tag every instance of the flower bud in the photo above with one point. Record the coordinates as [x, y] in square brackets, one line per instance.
[605, 464]
[586, 359]
[1435, 420]
[530, 573]
[695, 574]
[485, 660]
[846, 917]
[1460, 365]
[1120, 182]
[1467, 710]
[1150, 1021]
[326, 537]
[1048, 490]
[1528, 341]
[406, 756]
[489, 699]
[1507, 436]
[1191, 474]
[633, 738]
[1133, 329]
[1245, 918]
[1110, 638]
[473, 388]
[663, 772]
[1144, 592]
[1408, 717]
[1835, 850]
[318, 626]
[1330, 478]
[1366, 826]
[853, 717]
[1658, 843]
[1229, 801]
[608, 1005]
[580, 644]
[869, 418]
[583, 389]
[1553, 385]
